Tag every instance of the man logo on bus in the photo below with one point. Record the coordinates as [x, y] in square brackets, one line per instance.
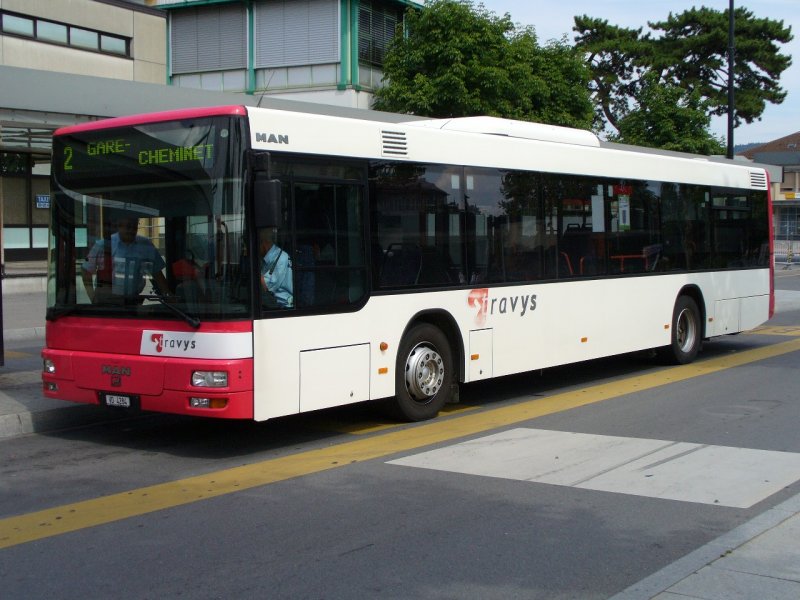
[271, 138]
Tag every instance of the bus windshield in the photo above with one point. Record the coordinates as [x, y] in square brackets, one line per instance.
[148, 221]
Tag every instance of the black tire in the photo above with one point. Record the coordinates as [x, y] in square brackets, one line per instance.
[687, 333]
[423, 374]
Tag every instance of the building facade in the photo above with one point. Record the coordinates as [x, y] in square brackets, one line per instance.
[326, 51]
[785, 153]
[111, 39]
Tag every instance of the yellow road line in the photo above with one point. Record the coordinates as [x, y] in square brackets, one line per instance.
[115, 507]
[776, 330]
[15, 354]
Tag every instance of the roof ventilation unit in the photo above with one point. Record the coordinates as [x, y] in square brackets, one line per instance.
[394, 143]
[758, 180]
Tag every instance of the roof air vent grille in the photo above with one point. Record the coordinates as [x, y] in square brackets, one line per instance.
[394, 143]
[758, 179]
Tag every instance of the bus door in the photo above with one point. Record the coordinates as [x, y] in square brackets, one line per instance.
[321, 244]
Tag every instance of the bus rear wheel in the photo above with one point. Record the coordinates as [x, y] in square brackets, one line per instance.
[686, 333]
[424, 374]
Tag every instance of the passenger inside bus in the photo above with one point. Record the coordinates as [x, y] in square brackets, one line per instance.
[276, 272]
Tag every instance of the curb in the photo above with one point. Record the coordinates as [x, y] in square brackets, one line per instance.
[53, 419]
[662, 581]
[28, 333]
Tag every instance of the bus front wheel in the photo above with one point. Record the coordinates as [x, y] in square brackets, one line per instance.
[686, 332]
[424, 374]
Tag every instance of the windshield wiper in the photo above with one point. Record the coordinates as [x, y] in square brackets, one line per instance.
[190, 319]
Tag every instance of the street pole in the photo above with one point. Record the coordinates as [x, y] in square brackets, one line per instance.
[731, 48]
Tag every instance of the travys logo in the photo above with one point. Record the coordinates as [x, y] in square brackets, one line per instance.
[484, 304]
[162, 342]
[158, 338]
[213, 344]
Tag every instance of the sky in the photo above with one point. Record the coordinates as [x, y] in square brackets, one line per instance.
[554, 18]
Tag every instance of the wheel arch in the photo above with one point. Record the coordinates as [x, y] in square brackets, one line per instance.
[445, 322]
[694, 292]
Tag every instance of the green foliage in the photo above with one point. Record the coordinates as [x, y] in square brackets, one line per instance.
[694, 51]
[690, 52]
[615, 57]
[668, 117]
[457, 59]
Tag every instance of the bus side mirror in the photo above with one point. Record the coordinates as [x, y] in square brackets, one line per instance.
[267, 201]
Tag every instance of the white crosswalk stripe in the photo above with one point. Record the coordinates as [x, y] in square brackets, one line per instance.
[719, 475]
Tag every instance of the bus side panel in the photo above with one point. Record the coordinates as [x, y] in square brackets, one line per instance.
[753, 310]
[532, 327]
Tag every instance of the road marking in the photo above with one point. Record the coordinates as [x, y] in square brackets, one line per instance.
[15, 354]
[362, 427]
[776, 330]
[89, 513]
[717, 475]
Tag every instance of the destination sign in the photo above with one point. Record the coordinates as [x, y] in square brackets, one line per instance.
[165, 155]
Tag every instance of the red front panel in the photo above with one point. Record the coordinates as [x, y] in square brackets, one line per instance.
[95, 357]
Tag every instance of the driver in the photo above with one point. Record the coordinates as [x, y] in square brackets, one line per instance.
[121, 268]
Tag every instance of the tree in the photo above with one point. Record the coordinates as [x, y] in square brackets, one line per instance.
[616, 59]
[457, 60]
[691, 53]
[668, 117]
[694, 51]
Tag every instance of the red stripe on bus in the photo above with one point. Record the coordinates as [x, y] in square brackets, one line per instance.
[168, 115]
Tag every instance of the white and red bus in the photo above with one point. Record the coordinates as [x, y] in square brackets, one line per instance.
[415, 256]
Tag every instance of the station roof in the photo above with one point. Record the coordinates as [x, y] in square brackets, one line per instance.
[35, 103]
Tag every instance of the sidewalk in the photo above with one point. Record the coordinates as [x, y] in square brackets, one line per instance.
[23, 407]
[759, 559]
[24, 300]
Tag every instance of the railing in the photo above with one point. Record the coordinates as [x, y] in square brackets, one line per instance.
[786, 251]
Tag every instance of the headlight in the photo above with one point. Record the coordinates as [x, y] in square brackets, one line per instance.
[210, 378]
[49, 366]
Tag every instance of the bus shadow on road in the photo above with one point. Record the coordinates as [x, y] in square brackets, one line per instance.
[219, 440]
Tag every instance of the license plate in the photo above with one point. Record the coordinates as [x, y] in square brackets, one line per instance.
[115, 400]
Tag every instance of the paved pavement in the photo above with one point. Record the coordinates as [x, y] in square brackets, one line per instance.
[23, 408]
[759, 559]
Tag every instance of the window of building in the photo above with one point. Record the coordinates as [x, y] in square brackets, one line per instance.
[208, 38]
[25, 181]
[303, 32]
[17, 25]
[63, 34]
[113, 45]
[377, 24]
[52, 32]
[83, 38]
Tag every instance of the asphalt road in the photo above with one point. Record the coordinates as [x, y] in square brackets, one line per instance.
[501, 498]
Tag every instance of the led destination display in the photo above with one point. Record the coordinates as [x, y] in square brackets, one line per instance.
[158, 155]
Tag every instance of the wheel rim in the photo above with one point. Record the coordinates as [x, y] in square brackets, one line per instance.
[686, 332]
[424, 372]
